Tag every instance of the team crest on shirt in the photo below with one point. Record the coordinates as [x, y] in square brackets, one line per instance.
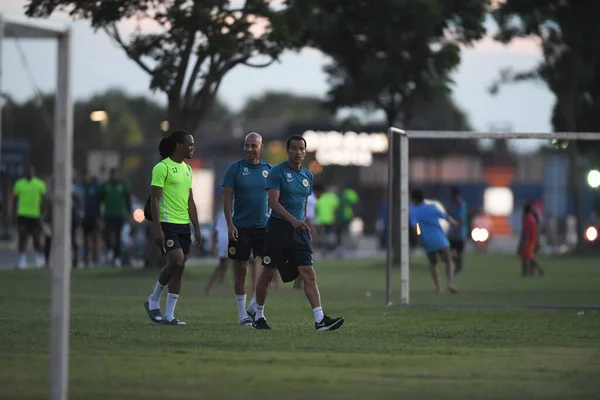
[232, 250]
[267, 260]
[305, 182]
[265, 173]
[170, 243]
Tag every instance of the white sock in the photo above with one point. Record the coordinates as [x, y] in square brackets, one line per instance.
[318, 313]
[241, 305]
[154, 299]
[171, 303]
[252, 305]
[260, 312]
[22, 258]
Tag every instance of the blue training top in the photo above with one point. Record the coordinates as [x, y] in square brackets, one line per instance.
[294, 187]
[250, 201]
[428, 217]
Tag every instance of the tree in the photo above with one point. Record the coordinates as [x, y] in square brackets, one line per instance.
[290, 107]
[392, 54]
[193, 46]
[570, 41]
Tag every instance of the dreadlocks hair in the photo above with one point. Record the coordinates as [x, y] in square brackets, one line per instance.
[168, 144]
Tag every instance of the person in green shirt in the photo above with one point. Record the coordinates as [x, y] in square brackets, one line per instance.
[327, 205]
[116, 199]
[173, 208]
[29, 196]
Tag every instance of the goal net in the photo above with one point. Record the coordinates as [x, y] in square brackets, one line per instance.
[16, 28]
[494, 184]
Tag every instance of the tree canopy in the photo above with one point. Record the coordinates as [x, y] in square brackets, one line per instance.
[191, 46]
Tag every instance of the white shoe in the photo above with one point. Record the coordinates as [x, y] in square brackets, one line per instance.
[118, 262]
[40, 261]
[22, 264]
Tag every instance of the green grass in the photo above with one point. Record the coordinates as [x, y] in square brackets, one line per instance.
[380, 353]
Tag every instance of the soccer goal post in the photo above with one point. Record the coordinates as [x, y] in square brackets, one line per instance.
[26, 28]
[402, 174]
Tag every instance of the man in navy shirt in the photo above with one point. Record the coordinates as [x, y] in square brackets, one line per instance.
[433, 239]
[246, 209]
[288, 244]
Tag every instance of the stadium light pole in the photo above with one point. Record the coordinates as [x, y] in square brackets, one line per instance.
[22, 27]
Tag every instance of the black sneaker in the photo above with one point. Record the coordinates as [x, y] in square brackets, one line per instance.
[251, 314]
[261, 323]
[329, 324]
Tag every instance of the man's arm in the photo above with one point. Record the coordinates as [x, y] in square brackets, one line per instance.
[156, 194]
[193, 212]
[277, 207]
[228, 205]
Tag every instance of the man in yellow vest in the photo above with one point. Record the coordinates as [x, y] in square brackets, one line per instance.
[29, 195]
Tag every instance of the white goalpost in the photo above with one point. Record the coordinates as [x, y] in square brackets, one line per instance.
[21, 27]
[404, 137]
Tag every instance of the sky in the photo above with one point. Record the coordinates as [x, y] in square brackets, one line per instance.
[99, 64]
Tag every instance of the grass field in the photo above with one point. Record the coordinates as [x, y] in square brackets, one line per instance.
[380, 353]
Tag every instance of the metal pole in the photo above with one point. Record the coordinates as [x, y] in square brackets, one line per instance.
[1, 98]
[404, 224]
[390, 216]
[61, 225]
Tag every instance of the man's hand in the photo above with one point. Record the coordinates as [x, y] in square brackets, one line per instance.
[159, 238]
[233, 232]
[297, 224]
[198, 236]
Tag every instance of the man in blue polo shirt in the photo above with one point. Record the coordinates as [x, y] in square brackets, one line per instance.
[246, 209]
[458, 234]
[288, 244]
[432, 237]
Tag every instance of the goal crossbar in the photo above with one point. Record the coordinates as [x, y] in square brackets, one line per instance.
[404, 136]
[22, 27]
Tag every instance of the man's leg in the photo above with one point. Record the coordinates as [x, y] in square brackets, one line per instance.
[117, 237]
[107, 236]
[447, 258]
[217, 274]
[253, 272]
[23, 234]
[262, 288]
[432, 257]
[36, 233]
[311, 291]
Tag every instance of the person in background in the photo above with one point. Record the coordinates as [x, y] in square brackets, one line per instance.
[29, 195]
[348, 199]
[219, 249]
[116, 199]
[91, 217]
[433, 238]
[458, 234]
[76, 216]
[326, 210]
[528, 243]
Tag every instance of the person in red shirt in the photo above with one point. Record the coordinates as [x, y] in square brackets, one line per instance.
[528, 243]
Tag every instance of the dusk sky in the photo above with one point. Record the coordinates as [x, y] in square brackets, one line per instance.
[99, 64]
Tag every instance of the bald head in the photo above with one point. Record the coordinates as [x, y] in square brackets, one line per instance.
[253, 136]
[253, 147]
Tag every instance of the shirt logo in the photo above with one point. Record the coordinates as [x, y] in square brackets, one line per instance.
[265, 173]
[246, 172]
[305, 182]
[289, 177]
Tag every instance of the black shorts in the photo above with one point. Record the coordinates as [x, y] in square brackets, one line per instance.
[457, 245]
[250, 240]
[177, 236]
[29, 226]
[89, 224]
[287, 248]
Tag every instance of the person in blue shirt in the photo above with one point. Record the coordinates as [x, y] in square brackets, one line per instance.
[288, 243]
[246, 210]
[433, 238]
[458, 234]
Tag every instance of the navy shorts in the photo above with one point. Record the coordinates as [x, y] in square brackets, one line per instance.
[249, 241]
[457, 245]
[286, 248]
[177, 236]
